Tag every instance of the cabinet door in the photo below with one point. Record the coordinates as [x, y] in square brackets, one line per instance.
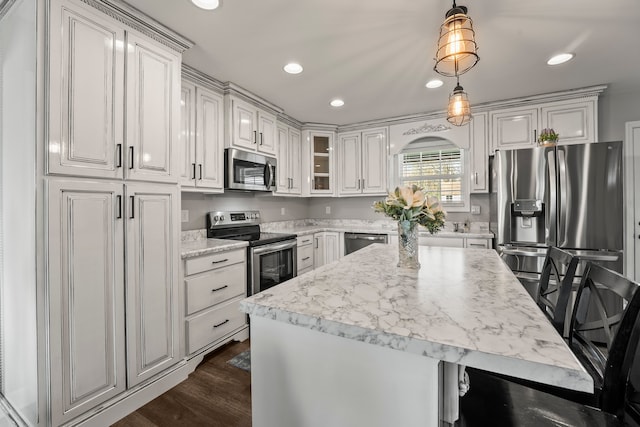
[266, 133]
[374, 161]
[86, 295]
[153, 110]
[332, 246]
[282, 171]
[295, 169]
[574, 121]
[321, 145]
[514, 128]
[243, 124]
[86, 66]
[152, 263]
[318, 250]
[349, 158]
[479, 159]
[187, 135]
[209, 139]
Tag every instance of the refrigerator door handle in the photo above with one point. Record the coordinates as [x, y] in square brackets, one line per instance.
[562, 200]
[551, 210]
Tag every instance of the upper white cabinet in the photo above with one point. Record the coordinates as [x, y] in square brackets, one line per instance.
[575, 120]
[201, 138]
[288, 171]
[362, 162]
[321, 162]
[87, 98]
[249, 127]
[479, 156]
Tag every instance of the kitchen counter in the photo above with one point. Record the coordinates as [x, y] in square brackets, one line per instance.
[311, 229]
[200, 247]
[463, 307]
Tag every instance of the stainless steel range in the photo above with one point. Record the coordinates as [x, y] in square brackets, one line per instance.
[271, 257]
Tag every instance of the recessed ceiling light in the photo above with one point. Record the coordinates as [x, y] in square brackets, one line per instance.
[560, 59]
[434, 83]
[206, 4]
[293, 68]
[337, 103]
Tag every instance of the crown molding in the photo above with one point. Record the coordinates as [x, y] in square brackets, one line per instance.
[231, 88]
[198, 77]
[139, 21]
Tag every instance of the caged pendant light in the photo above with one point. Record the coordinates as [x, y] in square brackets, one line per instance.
[459, 109]
[457, 50]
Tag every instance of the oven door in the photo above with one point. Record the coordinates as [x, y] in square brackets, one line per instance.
[271, 264]
[249, 171]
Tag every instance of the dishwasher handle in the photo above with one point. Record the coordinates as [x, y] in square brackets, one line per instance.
[382, 238]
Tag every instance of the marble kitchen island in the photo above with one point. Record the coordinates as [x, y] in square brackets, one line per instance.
[360, 342]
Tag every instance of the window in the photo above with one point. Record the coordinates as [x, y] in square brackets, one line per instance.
[439, 169]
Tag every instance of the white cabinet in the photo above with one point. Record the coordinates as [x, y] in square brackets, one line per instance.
[362, 162]
[305, 254]
[326, 248]
[479, 156]
[86, 295]
[214, 285]
[201, 138]
[152, 234]
[321, 162]
[575, 120]
[87, 98]
[455, 242]
[289, 172]
[478, 243]
[249, 127]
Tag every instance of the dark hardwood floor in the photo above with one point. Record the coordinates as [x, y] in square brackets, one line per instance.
[216, 394]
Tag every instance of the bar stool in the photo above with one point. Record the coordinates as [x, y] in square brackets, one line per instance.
[614, 366]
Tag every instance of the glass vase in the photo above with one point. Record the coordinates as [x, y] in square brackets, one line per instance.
[408, 255]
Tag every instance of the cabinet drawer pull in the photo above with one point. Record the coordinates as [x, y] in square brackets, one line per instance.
[306, 241]
[220, 324]
[220, 288]
[480, 245]
[218, 262]
[306, 258]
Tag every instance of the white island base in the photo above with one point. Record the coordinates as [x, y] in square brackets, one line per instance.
[304, 378]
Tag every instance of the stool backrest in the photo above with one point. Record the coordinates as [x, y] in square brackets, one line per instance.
[610, 362]
[554, 290]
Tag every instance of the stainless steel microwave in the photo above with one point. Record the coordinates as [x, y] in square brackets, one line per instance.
[248, 171]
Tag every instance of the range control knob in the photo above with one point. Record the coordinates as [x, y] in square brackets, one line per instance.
[221, 217]
[257, 215]
[216, 218]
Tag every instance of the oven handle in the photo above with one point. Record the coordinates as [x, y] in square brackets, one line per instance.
[274, 248]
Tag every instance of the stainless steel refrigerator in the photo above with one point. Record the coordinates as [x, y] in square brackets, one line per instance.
[570, 196]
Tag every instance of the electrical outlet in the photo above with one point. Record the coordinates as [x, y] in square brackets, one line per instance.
[282, 211]
[475, 209]
[184, 216]
[327, 210]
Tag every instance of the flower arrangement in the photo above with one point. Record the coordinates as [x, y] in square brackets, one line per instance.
[548, 135]
[410, 205]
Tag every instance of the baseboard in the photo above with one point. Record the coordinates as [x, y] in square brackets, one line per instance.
[194, 359]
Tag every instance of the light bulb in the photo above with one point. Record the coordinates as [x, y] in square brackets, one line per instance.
[455, 39]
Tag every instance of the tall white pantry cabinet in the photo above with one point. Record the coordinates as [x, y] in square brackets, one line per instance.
[108, 205]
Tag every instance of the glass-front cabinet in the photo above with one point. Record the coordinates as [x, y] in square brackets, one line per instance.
[321, 167]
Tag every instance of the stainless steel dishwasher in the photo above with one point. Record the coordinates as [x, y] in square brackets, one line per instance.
[355, 241]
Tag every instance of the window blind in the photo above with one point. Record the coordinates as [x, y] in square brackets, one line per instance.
[439, 172]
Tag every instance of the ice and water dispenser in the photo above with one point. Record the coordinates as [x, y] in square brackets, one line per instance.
[527, 221]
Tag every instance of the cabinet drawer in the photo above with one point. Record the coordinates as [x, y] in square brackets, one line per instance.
[215, 287]
[305, 257]
[451, 242]
[209, 262]
[213, 324]
[478, 243]
[304, 240]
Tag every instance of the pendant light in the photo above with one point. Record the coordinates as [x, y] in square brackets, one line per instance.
[459, 109]
[457, 50]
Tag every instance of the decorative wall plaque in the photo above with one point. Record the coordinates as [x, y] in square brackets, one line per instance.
[427, 128]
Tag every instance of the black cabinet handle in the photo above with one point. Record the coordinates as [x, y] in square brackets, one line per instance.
[132, 199]
[200, 167]
[220, 324]
[119, 198]
[220, 288]
[255, 137]
[119, 157]
[261, 138]
[218, 262]
[194, 170]
[130, 157]
[305, 258]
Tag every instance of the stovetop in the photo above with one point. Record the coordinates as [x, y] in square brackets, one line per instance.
[260, 238]
[241, 225]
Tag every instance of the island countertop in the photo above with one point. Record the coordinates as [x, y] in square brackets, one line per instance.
[463, 306]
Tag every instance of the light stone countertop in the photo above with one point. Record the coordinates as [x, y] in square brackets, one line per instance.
[463, 306]
[305, 230]
[209, 246]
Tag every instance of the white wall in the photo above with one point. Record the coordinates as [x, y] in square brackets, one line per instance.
[17, 191]
[615, 108]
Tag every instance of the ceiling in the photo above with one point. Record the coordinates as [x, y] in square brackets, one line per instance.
[377, 55]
